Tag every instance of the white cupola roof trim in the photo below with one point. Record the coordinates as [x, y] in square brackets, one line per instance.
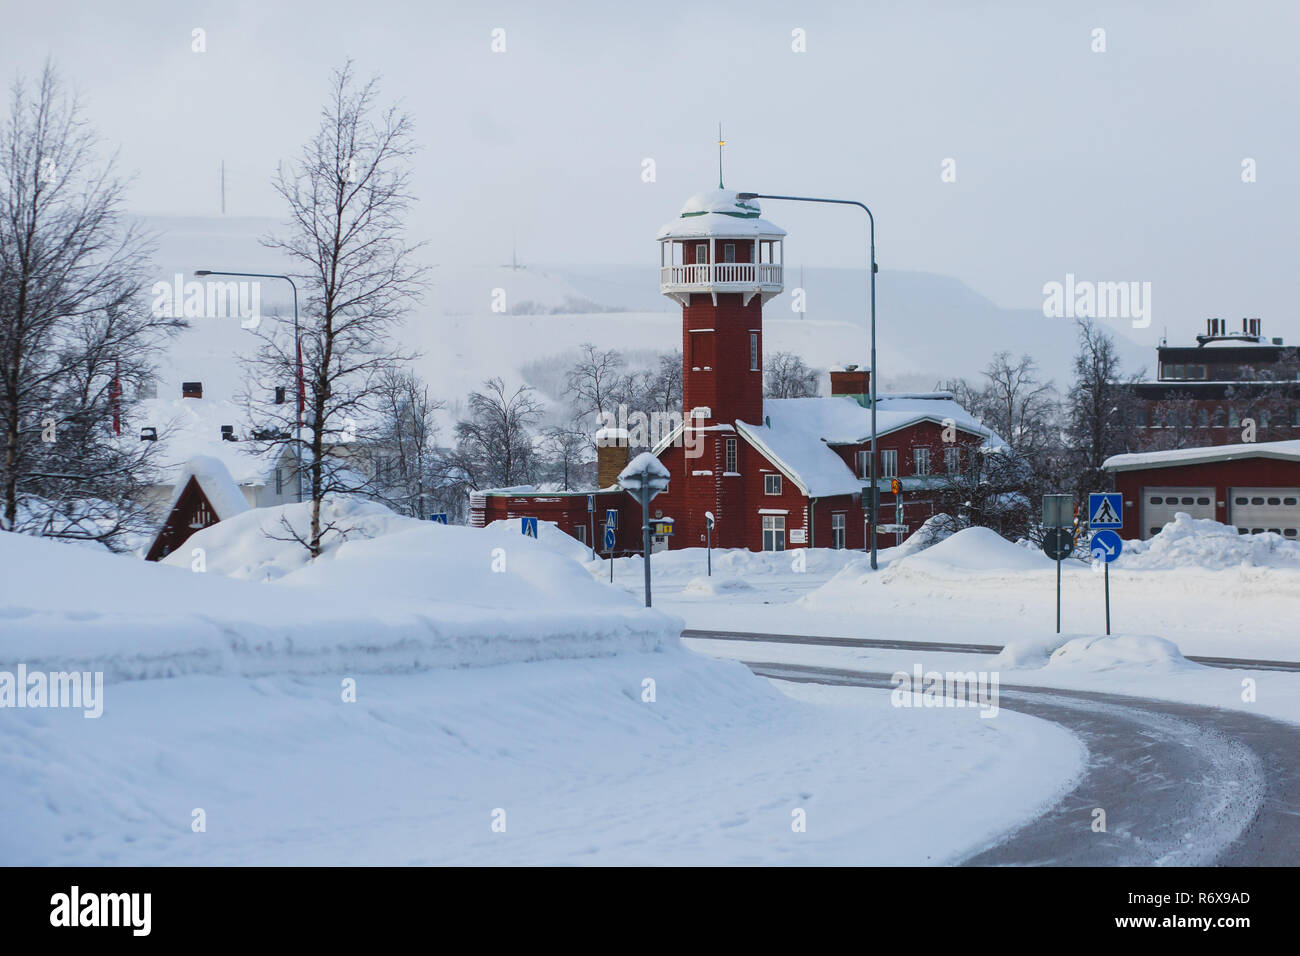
[719, 213]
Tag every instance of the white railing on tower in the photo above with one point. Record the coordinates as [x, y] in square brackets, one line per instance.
[722, 273]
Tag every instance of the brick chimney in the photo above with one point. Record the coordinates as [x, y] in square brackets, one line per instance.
[852, 382]
[611, 455]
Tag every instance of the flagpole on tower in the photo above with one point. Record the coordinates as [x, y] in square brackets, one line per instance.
[721, 143]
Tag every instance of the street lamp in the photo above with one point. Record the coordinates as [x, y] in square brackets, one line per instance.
[296, 347]
[875, 486]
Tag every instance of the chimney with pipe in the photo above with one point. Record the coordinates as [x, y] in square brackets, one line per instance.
[852, 382]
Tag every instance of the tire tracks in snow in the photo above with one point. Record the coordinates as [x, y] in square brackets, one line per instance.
[1181, 784]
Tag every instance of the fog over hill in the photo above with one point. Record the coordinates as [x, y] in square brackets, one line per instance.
[930, 327]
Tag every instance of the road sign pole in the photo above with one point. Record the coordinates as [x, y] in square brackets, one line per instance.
[644, 496]
[1107, 574]
[708, 547]
[1058, 595]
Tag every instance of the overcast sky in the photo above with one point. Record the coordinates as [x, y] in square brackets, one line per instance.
[1124, 165]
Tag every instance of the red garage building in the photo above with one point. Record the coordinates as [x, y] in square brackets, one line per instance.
[774, 473]
[1255, 487]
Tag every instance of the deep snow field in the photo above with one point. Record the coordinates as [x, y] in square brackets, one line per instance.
[495, 679]
[512, 707]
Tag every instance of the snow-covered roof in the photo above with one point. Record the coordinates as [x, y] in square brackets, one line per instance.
[191, 427]
[719, 212]
[1284, 450]
[799, 433]
[840, 420]
[217, 484]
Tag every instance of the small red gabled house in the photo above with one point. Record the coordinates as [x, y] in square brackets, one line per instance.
[774, 473]
[205, 494]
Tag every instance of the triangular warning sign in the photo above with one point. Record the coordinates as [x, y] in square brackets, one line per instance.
[1105, 514]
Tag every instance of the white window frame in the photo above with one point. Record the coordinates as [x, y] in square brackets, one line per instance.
[774, 532]
[920, 461]
[771, 484]
[839, 525]
[889, 463]
[732, 463]
[753, 352]
[864, 460]
[952, 460]
[728, 252]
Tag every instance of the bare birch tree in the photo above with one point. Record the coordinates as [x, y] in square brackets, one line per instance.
[347, 196]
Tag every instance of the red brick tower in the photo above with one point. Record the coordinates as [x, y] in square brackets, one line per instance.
[721, 260]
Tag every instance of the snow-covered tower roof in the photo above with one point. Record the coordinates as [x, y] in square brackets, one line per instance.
[720, 243]
[719, 212]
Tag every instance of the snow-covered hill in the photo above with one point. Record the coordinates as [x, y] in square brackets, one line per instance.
[476, 322]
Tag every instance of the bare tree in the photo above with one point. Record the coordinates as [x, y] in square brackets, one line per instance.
[566, 447]
[348, 196]
[406, 442]
[786, 375]
[1015, 403]
[74, 331]
[597, 382]
[1102, 409]
[495, 444]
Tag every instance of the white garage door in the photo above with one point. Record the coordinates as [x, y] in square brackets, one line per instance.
[1254, 510]
[1159, 505]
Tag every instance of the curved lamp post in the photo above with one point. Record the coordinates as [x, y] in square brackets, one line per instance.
[297, 439]
[875, 481]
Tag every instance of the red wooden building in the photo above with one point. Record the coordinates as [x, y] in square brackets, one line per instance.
[205, 493]
[1255, 487]
[775, 473]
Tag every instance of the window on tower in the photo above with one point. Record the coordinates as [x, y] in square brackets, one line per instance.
[729, 252]
[701, 253]
[753, 351]
[731, 455]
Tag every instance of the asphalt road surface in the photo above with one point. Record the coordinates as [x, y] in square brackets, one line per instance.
[1181, 785]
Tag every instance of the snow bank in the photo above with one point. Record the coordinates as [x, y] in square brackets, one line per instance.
[396, 595]
[1119, 650]
[716, 584]
[685, 564]
[936, 528]
[1092, 653]
[1188, 542]
[972, 550]
[549, 536]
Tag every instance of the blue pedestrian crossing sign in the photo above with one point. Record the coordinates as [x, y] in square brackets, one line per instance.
[611, 517]
[1105, 546]
[609, 538]
[529, 526]
[591, 503]
[1106, 510]
[440, 517]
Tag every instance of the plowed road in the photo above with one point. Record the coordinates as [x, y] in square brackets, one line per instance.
[1180, 784]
